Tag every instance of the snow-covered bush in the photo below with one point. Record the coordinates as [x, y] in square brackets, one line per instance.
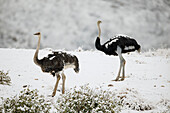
[87, 100]
[27, 101]
[130, 100]
[4, 78]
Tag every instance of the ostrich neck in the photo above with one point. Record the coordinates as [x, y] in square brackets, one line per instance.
[99, 30]
[98, 44]
[36, 60]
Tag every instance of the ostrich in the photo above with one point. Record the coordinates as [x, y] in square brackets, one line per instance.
[55, 64]
[116, 46]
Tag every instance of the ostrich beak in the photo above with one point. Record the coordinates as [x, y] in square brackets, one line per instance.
[37, 33]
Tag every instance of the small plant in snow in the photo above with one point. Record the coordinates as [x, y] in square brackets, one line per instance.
[4, 78]
[27, 101]
[87, 100]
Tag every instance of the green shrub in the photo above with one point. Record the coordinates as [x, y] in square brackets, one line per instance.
[28, 101]
[4, 78]
[87, 100]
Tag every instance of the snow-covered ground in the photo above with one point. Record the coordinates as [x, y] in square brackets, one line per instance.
[147, 75]
[74, 21]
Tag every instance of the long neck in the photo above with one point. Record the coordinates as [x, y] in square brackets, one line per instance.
[36, 60]
[99, 29]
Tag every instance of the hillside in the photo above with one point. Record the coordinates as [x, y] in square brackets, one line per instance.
[75, 22]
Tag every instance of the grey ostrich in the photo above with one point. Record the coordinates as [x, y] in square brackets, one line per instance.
[55, 64]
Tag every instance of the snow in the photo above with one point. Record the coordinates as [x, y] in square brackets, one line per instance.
[147, 75]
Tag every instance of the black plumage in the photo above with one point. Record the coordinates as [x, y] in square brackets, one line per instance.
[126, 43]
[116, 46]
[55, 63]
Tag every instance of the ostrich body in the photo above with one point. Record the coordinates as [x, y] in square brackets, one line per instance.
[55, 64]
[116, 46]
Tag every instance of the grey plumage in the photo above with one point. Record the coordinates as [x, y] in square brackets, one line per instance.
[57, 61]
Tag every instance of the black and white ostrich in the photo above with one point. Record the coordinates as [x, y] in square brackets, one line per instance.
[55, 64]
[116, 46]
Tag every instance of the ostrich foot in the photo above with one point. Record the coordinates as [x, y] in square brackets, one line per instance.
[122, 79]
[116, 80]
[53, 94]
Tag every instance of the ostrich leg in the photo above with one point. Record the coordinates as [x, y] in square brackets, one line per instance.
[63, 85]
[56, 85]
[123, 73]
[122, 64]
[118, 75]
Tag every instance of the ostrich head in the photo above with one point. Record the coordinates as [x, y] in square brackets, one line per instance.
[38, 33]
[99, 22]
